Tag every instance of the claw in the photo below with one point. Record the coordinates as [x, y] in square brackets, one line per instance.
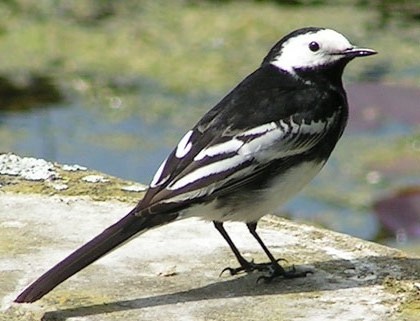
[248, 267]
[231, 271]
[274, 270]
[245, 267]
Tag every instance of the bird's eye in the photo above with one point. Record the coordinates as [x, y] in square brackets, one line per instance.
[314, 46]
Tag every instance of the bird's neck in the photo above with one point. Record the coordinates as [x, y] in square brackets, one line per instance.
[331, 75]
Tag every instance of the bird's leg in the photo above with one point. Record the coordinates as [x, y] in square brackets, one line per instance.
[274, 268]
[245, 266]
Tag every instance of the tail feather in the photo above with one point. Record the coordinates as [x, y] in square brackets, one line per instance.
[113, 236]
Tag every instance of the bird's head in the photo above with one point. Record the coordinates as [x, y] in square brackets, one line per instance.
[313, 48]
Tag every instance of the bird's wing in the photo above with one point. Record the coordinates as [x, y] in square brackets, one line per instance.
[223, 151]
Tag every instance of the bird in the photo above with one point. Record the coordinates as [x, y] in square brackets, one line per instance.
[249, 154]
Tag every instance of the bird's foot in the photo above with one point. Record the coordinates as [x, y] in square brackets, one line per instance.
[276, 270]
[250, 266]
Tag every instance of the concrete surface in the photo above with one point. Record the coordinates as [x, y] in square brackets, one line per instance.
[172, 273]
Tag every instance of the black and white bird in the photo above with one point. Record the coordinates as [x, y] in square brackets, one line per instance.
[247, 156]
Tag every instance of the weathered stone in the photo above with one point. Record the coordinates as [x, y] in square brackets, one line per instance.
[172, 273]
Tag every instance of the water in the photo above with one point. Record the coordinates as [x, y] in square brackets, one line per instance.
[73, 134]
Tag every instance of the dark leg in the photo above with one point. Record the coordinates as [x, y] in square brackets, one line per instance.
[252, 227]
[275, 269]
[239, 257]
[245, 266]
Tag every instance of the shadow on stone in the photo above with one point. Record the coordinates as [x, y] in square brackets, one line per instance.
[329, 275]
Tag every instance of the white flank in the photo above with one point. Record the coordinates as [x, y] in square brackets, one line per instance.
[208, 170]
[184, 145]
[223, 148]
[156, 181]
[281, 190]
[285, 187]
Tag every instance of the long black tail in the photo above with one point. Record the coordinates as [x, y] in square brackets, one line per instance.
[115, 235]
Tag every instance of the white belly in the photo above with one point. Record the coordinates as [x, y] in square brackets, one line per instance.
[263, 202]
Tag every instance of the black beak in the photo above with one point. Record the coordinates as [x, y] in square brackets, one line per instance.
[358, 52]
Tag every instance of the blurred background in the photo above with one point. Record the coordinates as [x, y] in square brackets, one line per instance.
[113, 85]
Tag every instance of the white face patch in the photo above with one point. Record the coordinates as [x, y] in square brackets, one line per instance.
[184, 145]
[295, 53]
